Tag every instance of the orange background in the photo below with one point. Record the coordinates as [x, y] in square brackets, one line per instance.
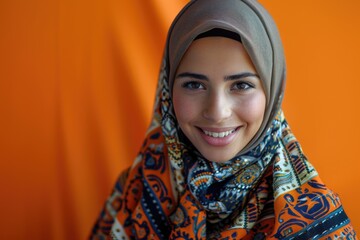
[77, 83]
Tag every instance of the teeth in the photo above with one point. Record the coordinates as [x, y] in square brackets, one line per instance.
[218, 134]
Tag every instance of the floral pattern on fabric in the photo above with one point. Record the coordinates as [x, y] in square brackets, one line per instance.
[171, 192]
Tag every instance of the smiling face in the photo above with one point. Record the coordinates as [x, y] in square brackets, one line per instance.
[218, 97]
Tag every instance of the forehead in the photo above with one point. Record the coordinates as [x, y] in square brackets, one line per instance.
[213, 52]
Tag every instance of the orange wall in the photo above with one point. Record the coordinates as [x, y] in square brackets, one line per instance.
[77, 81]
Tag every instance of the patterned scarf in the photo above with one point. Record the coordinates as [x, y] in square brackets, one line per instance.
[171, 192]
[268, 191]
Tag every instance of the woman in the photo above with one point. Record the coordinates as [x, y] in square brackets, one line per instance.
[219, 160]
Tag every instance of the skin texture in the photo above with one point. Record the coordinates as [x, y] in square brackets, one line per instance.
[216, 89]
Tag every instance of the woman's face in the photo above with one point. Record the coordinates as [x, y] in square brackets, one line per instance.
[218, 98]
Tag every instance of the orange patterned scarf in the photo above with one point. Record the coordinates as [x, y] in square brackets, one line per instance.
[268, 191]
[171, 192]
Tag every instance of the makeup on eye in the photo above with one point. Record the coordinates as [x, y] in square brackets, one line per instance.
[241, 82]
[242, 85]
[193, 85]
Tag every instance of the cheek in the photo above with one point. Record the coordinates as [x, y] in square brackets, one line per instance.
[252, 110]
[184, 108]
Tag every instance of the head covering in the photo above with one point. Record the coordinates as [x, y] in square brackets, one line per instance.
[259, 36]
[218, 32]
[269, 190]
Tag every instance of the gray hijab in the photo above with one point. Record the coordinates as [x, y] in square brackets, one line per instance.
[259, 36]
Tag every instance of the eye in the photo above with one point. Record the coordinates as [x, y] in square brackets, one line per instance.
[241, 85]
[193, 85]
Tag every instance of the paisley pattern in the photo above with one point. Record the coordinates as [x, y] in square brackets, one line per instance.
[171, 192]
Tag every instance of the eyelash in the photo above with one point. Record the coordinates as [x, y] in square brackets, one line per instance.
[242, 86]
[190, 85]
[237, 86]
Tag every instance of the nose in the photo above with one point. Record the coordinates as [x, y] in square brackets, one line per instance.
[217, 107]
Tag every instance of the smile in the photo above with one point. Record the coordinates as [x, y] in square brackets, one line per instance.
[218, 137]
[219, 134]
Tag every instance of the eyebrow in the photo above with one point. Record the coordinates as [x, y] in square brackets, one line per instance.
[193, 75]
[240, 76]
[226, 78]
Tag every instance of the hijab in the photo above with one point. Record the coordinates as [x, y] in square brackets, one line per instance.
[269, 190]
[259, 36]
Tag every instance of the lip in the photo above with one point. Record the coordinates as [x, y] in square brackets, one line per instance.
[217, 130]
[218, 141]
